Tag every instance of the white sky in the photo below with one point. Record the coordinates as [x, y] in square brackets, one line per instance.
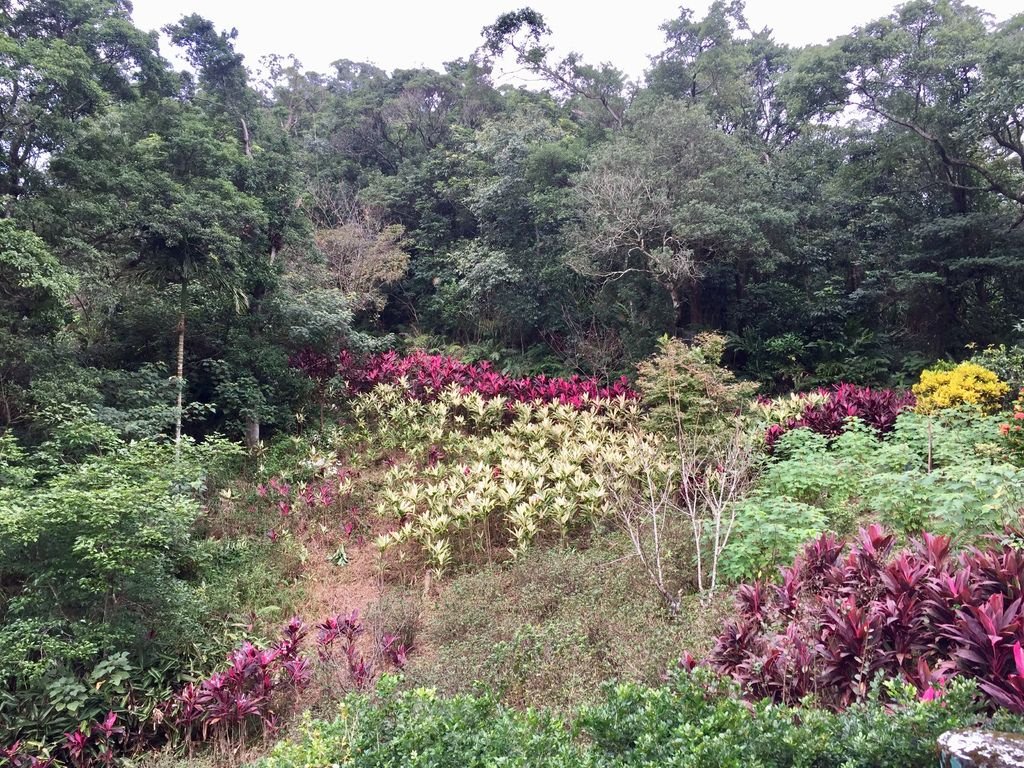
[407, 33]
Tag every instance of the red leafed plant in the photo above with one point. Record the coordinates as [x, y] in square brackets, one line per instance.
[13, 757]
[878, 408]
[248, 694]
[425, 375]
[834, 623]
[93, 744]
[258, 684]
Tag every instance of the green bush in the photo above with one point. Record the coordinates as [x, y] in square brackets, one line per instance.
[768, 530]
[694, 721]
[419, 729]
[106, 599]
[685, 385]
[1006, 362]
[946, 473]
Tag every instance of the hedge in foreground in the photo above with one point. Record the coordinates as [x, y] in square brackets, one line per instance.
[695, 719]
[416, 729]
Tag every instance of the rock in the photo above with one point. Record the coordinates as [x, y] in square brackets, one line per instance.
[981, 749]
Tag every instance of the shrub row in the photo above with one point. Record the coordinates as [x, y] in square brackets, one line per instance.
[426, 375]
[692, 721]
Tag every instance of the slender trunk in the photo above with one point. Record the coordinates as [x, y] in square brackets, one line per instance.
[252, 432]
[6, 404]
[181, 383]
[246, 141]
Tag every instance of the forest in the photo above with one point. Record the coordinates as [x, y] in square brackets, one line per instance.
[421, 418]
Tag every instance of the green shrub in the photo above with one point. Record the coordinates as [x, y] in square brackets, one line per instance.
[419, 729]
[1006, 362]
[106, 598]
[685, 385]
[696, 721]
[945, 473]
[768, 530]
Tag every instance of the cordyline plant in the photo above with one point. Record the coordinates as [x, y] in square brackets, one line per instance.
[499, 489]
[425, 376]
[92, 745]
[249, 696]
[841, 616]
[828, 410]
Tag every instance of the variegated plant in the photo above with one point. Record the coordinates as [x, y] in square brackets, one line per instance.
[506, 473]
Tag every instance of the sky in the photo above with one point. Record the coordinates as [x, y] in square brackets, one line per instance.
[409, 33]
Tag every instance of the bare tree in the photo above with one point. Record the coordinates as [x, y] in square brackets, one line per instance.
[668, 197]
[715, 472]
[662, 497]
[631, 215]
[641, 497]
[363, 256]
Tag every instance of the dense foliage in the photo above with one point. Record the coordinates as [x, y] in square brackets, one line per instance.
[841, 616]
[109, 598]
[690, 721]
[565, 230]
[456, 321]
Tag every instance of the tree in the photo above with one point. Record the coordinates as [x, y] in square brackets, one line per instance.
[667, 199]
[933, 70]
[363, 256]
[34, 293]
[223, 80]
[944, 120]
[731, 70]
[523, 32]
[186, 225]
[60, 62]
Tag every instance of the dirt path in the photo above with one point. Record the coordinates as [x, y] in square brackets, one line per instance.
[332, 589]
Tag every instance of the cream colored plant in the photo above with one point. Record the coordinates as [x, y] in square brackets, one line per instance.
[779, 410]
[511, 473]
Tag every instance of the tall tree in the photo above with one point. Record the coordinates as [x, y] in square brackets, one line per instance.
[731, 70]
[34, 292]
[60, 62]
[668, 199]
[151, 188]
[524, 33]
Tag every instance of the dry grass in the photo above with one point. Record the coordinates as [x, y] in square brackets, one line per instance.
[551, 628]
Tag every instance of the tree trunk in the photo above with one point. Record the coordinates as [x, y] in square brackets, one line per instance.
[677, 305]
[696, 311]
[252, 432]
[181, 382]
[246, 141]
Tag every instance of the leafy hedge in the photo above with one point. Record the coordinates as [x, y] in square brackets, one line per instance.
[693, 721]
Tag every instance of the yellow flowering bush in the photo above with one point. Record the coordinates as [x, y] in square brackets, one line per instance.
[966, 384]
